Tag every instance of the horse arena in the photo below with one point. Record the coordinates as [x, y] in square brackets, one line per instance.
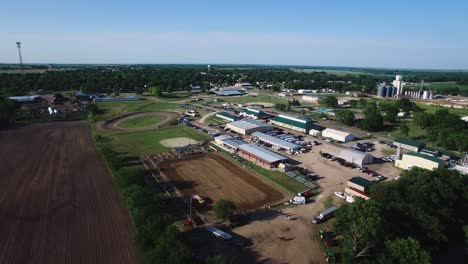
[113, 123]
[214, 177]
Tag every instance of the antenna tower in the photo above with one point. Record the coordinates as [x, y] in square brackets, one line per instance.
[18, 45]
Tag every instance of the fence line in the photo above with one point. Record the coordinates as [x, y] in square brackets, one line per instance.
[254, 172]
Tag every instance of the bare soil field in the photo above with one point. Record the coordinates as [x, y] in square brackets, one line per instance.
[113, 123]
[177, 142]
[58, 202]
[213, 176]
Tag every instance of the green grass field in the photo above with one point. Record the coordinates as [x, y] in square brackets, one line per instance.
[111, 109]
[261, 98]
[213, 120]
[147, 142]
[431, 109]
[141, 121]
[438, 86]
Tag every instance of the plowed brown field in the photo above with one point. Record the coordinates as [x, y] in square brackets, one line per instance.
[58, 203]
[213, 176]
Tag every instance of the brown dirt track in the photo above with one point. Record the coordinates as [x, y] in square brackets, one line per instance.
[58, 203]
[112, 124]
[213, 176]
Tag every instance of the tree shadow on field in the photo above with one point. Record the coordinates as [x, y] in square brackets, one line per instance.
[129, 160]
[181, 184]
[263, 215]
[204, 244]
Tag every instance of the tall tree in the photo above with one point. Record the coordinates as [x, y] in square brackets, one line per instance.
[404, 251]
[345, 117]
[404, 129]
[360, 224]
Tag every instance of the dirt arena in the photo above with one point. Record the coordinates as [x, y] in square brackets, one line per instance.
[113, 123]
[58, 202]
[213, 176]
[178, 142]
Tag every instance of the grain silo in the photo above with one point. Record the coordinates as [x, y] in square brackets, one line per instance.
[381, 91]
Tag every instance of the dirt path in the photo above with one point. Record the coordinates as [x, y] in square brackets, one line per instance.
[113, 123]
[58, 202]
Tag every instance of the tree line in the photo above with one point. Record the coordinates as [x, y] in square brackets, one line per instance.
[406, 221]
[100, 79]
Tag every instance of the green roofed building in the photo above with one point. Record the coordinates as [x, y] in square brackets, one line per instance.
[227, 116]
[293, 123]
[416, 159]
[254, 114]
[359, 187]
[409, 144]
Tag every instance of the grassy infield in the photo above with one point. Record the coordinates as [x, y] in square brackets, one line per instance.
[147, 142]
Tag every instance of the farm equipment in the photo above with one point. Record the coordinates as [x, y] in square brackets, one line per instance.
[330, 256]
[199, 199]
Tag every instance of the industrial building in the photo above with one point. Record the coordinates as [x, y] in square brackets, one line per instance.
[337, 135]
[359, 187]
[254, 114]
[293, 123]
[227, 91]
[348, 154]
[26, 99]
[227, 116]
[228, 142]
[409, 144]
[316, 130]
[416, 159]
[248, 126]
[274, 141]
[384, 90]
[310, 98]
[398, 84]
[261, 156]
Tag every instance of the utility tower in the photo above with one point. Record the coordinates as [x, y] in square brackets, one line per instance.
[18, 45]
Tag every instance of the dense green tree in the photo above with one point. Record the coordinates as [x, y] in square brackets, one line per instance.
[345, 117]
[169, 248]
[281, 106]
[328, 101]
[426, 205]
[404, 251]
[7, 112]
[405, 105]
[404, 129]
[373, 120]
[219, 259]
[360, 224]
[223, 208]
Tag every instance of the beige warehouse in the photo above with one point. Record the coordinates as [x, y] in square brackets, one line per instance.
[416, 159]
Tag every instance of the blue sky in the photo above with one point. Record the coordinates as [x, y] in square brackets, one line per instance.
[396, 34]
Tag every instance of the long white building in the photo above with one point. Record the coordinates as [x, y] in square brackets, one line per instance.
[337, 135]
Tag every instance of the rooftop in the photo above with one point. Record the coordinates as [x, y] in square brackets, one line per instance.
[255, 112]
[248, 124]
[276, 141]
[336, 132]
[227, 91]
[410, 142]
[264, 154]
[293, 121]
[230, 141]
[360, 181]
[228, 115]
[420, 155]
[30, 98]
